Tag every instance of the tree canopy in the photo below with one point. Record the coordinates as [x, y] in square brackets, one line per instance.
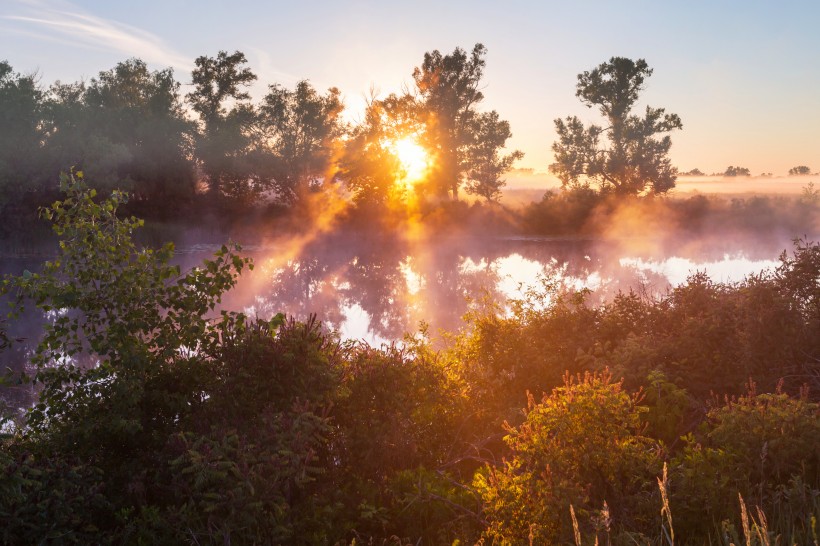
[227, 117]
[628, 155]
[799, 170]
[300, 129]
[464, 142]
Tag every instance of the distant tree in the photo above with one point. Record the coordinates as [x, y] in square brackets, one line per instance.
[227, 120]
[301, 129]
[635, 159]
[693, 172]
[799, 170]
[737, 171]
[448, 87]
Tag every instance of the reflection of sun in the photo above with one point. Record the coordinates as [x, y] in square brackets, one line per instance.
[413, 158]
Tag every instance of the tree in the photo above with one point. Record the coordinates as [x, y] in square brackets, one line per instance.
[635, 159]
[223, 145]
[486, 165]
[141, 111]
[737, 171]
[448, 87]
[21, 133]
[799, 170]
[300, 129]
[368, 166]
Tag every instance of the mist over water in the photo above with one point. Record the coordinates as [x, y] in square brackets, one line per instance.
[378, 284]
[379, 290]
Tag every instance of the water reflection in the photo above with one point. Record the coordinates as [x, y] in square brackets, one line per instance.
[378, 287]
[381, 288]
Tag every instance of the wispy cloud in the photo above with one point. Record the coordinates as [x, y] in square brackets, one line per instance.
[62, 21]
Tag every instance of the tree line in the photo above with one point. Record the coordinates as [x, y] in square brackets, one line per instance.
[131, 128]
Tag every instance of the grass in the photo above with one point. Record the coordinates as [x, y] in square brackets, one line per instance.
[755, 529]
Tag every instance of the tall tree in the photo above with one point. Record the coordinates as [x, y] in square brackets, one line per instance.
[227, 119]
[21, 133]
[448, 86]
[485, 164]
[370, 168]
[140, 111]
[634, 158]
[301, 129]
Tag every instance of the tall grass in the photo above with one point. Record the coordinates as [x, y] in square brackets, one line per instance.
[755, 529]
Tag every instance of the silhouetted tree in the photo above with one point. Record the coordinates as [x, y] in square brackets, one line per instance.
[485, 164]
[694, 172]
[140, 112]
[737, 171]
[799, 170]
[21, 133]
[635, 159]
[301, 129]
[227, 120]
[448, 87]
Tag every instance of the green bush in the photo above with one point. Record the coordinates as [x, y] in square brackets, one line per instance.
[582, 446]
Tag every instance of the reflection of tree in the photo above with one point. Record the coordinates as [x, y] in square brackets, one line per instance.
[378, 285]
[453, 276]
[303, 287]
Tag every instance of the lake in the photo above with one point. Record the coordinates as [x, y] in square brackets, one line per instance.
[377, 288]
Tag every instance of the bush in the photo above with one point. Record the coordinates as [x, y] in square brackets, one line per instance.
[582, 446]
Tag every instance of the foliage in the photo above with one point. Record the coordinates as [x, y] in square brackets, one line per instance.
[635, 160]
[301, 129]
[763, 447]
[464, 142]
[21, 133]
[403, 481]
[580, 446]
[799, 170]
[559, 213]
[223, 144]
[141, 111]
[737, 171]
[487, 165]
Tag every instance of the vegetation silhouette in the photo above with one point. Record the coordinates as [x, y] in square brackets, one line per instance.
[635, 160]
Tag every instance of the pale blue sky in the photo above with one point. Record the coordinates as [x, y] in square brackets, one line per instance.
[743, 75]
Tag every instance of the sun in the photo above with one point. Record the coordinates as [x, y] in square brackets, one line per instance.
[413, 158]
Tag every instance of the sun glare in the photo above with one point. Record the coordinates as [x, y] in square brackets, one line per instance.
[413, 158]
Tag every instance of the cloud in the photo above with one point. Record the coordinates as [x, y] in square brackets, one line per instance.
[64, 22]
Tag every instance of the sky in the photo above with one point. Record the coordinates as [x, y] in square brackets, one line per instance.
[744, 76]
